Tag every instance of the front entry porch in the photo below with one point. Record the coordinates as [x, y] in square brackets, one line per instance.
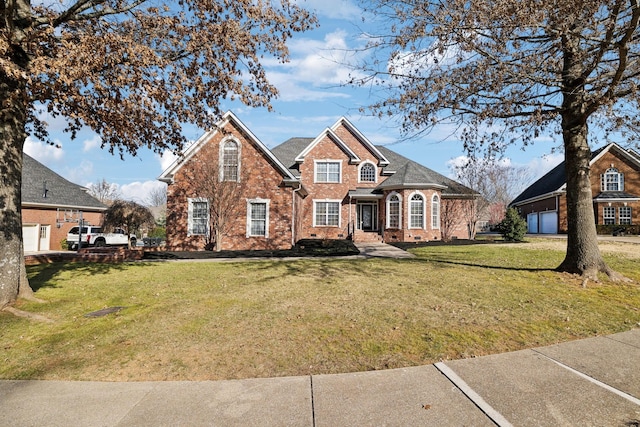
[366, 222]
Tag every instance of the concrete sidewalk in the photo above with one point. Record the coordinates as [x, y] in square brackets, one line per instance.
[591, 382]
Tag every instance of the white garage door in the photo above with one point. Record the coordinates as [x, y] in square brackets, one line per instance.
[30, 237]
[532, 223]
[549, 222]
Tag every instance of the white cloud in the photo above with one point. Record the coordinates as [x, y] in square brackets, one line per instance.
[166, 159]
[43, 152]
[91, 143]
[322, 64]
[541, 165]
[79, 173]
[139, 191]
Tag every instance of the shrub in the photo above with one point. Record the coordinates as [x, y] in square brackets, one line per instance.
[618, 229]
[513, 227]
[159, 232]
[64, 245]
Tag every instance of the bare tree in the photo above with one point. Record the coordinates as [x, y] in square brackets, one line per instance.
[507, 71]
[158, 196]
[134, 71]
[224, 205]
[457, 214]
[104, 191]
[497, 181]
[130, 215]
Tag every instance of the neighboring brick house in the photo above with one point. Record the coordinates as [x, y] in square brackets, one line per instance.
[45, 197]
[337, 185]
[615, 185]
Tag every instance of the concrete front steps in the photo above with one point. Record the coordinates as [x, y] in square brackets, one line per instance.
[367, 237]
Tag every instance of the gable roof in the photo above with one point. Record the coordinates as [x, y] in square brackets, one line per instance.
[554, 181]
[42, 187]
[342, 121]
[228, 117]
[330, 133]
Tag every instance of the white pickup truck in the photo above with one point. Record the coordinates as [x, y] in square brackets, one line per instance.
[93, 236]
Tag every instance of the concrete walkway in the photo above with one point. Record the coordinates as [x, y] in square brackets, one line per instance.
[591, 382]
[381, 250]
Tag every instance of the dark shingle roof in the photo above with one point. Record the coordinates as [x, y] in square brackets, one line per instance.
[556, 178]
[550, 182]
[409, 172]
[406, 171]
[59, 191]
[289, 150]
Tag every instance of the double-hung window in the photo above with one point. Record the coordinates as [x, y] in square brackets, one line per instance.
[198, 220]
[624, 215]
[435, 212]
[393, 211]
[327, 171]
[327, 214]
[258, 218]
[416, 211]
[230, 161]
[609, 215]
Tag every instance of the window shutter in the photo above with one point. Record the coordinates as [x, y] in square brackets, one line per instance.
[602, 183]
[621, 182]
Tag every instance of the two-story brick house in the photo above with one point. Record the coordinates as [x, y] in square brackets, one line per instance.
[615, 186]
[337, 185]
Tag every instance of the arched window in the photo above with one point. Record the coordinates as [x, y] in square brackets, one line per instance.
[435, 212]
[612, 180]
[367, 173]
[393, 211]
[230, 161]
[416, 211]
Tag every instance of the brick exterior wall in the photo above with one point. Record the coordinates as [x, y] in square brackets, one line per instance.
[47, 217]
[260, 180]
[631, 185]
[327, 149]
[404, 233]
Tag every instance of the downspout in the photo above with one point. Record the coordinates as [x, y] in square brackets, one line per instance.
[293, 214]
[350, 228]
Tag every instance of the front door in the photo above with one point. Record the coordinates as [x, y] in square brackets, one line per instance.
[367, 214]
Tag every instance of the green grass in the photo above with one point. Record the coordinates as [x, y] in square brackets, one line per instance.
[205, 320]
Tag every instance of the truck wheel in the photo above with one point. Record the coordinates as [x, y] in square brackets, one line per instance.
[100, 243]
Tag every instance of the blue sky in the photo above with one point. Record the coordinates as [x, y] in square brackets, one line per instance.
[311, 99]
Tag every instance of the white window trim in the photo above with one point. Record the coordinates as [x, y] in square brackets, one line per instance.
[375, 171]
[221, 156]
[315, 171]
[605, 217]
[388, 203]
[190, 202]
[424, 211]
[621, 218]
[266, 227]
[339, 202]
[613, 172]
[433, 205]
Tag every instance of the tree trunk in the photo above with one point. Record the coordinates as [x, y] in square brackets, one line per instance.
[13, 280]
[583, 255]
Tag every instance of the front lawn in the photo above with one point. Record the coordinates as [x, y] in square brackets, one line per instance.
[209, 320]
